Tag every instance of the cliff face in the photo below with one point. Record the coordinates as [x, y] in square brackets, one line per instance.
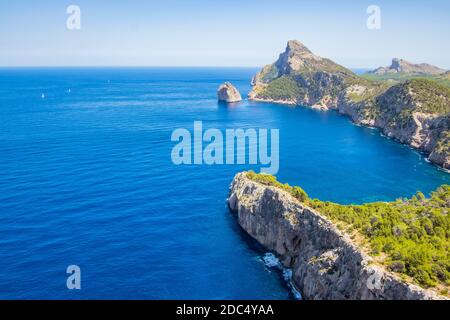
[326, 263]
[415, 112]
[301, 77]
[228, 93]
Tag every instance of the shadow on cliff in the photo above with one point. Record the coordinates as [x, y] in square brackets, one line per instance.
[255, 246]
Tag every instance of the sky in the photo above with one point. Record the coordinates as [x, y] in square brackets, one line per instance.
[220, 33]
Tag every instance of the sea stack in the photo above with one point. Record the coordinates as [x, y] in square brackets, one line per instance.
[228, 93]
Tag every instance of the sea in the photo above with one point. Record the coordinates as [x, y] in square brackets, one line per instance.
[87, 179]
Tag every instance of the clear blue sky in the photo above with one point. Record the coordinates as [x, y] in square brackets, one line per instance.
[220, 33]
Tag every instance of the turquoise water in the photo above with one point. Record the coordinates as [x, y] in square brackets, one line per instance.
[86, 178]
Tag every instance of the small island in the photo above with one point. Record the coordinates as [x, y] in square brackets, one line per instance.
[228, 93]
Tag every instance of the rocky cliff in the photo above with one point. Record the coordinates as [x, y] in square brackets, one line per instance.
[228, 93]
[415, 112]
[326, 263]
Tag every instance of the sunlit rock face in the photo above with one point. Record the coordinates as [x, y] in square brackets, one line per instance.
[325, 262]
[228, 93]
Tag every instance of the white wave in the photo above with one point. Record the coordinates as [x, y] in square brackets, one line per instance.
[271, 261]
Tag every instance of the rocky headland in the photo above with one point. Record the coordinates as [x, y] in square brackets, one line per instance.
[326, 262]
[415, 112]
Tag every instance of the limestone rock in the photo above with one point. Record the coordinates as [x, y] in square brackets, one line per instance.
[326, 264]
[228, 93]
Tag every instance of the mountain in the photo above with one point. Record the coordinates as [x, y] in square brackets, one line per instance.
[301, 77]
[405, 67]
[415, 112]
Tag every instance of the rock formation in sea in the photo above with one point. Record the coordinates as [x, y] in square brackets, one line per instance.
[402, 66]
[326, 263]
[415, 112]
[228, 93]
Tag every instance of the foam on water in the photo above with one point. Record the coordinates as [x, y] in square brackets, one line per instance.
[271, 261]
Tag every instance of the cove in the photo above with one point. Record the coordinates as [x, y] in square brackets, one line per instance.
[86, 178]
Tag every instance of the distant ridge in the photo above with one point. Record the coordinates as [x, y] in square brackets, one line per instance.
[403, 66]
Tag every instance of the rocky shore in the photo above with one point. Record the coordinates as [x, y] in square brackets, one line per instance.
[326, 263]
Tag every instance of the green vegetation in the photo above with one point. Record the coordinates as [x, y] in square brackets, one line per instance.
[432, 97]
[443, 145]
[325, 65]
[443, 79]
[373, 89]
[269, 180]
[411, 236]
[268, 73]
[400, 101]
[283, 88]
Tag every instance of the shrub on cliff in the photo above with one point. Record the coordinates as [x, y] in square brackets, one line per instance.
[270, 180]
[283, 88]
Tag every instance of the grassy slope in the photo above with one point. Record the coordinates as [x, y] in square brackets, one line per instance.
[428, 97]
[432, 97]
[282, 88]
[400, 77]
[409, 236]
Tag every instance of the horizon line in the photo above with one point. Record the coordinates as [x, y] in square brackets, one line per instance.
[143, 66]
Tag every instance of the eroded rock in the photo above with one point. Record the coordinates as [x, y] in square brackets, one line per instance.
[228, 93]
[326, 264]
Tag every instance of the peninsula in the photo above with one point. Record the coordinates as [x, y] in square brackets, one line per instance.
[415, 112]
[395, 250]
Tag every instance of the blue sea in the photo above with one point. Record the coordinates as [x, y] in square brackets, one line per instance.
[86, 178]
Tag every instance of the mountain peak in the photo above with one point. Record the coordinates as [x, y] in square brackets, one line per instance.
[297, 47]
[396, 62]
[295, 57]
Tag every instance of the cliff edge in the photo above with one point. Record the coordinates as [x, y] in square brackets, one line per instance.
[326, 263]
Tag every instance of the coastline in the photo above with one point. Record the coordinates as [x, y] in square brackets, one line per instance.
[326, 262]
[292, 103]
